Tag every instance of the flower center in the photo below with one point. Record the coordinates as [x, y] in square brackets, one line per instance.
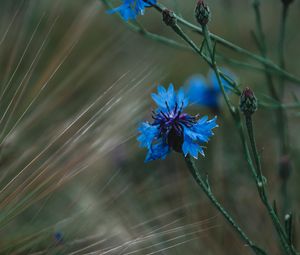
[171, 124]
[175, 138]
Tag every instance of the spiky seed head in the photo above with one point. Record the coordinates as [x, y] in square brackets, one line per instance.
[169, 17]
[248, 102]
[202, 13]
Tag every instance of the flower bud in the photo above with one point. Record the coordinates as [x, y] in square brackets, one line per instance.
[248, 102]
[169, 17]
[202, 13]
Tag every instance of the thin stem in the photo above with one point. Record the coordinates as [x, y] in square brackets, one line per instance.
[275, 68]
[207, 190]
[232, 46]
[215, 68]
[260, 179]
[210, 61]
[254, 148]
[281, 40]
[260, 39]
[281, 117]
[262, 191]
[284, 141]
[177, 29]
[245, 146]
[277, 106]
[235, 114]
[142, 31]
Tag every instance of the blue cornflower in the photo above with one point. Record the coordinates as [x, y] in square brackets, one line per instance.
[130, 9]
[173, 129]
[206, 92]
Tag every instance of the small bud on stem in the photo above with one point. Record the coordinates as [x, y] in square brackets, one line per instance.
[169, 17]
[248, 102]
[202, 13]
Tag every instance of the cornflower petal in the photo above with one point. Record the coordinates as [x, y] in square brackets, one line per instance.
[148, 134]
[130, 9]
[191, 147]
[159, 150]
[207, 92]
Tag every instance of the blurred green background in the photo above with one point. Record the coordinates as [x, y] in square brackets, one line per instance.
[75, 83]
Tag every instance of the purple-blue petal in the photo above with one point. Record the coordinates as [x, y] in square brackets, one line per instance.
[168, 99]
[130, 9]
[159, 150]
[148, 134]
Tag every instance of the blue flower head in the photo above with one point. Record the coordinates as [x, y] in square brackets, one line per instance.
[130, 9]
[206, 92]
[172, 128]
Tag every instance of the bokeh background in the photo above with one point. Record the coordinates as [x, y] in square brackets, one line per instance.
[75, 84]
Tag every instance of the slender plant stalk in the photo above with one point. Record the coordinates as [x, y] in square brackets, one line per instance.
[189, 161]
[177, 29]
[216, 70]
[213, 65]
[281, 116]
[284, 141]
[142, 31]
[204, 185]
[281, 40]
[289, 249]
[233, 46]
[275, 68]
[260, 179]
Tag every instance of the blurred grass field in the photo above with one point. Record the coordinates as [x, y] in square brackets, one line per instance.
[75, 83]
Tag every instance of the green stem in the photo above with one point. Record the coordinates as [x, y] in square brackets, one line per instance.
[233, 46]
[260, 178]
[177, 29]
[276, 106]
[207, 190]
[275, 68]
[254, 148]
[283, 129]
[262, 192]
[142, 31]
[282, 33]
[281, 117]
[215, 68]
[210, 61]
